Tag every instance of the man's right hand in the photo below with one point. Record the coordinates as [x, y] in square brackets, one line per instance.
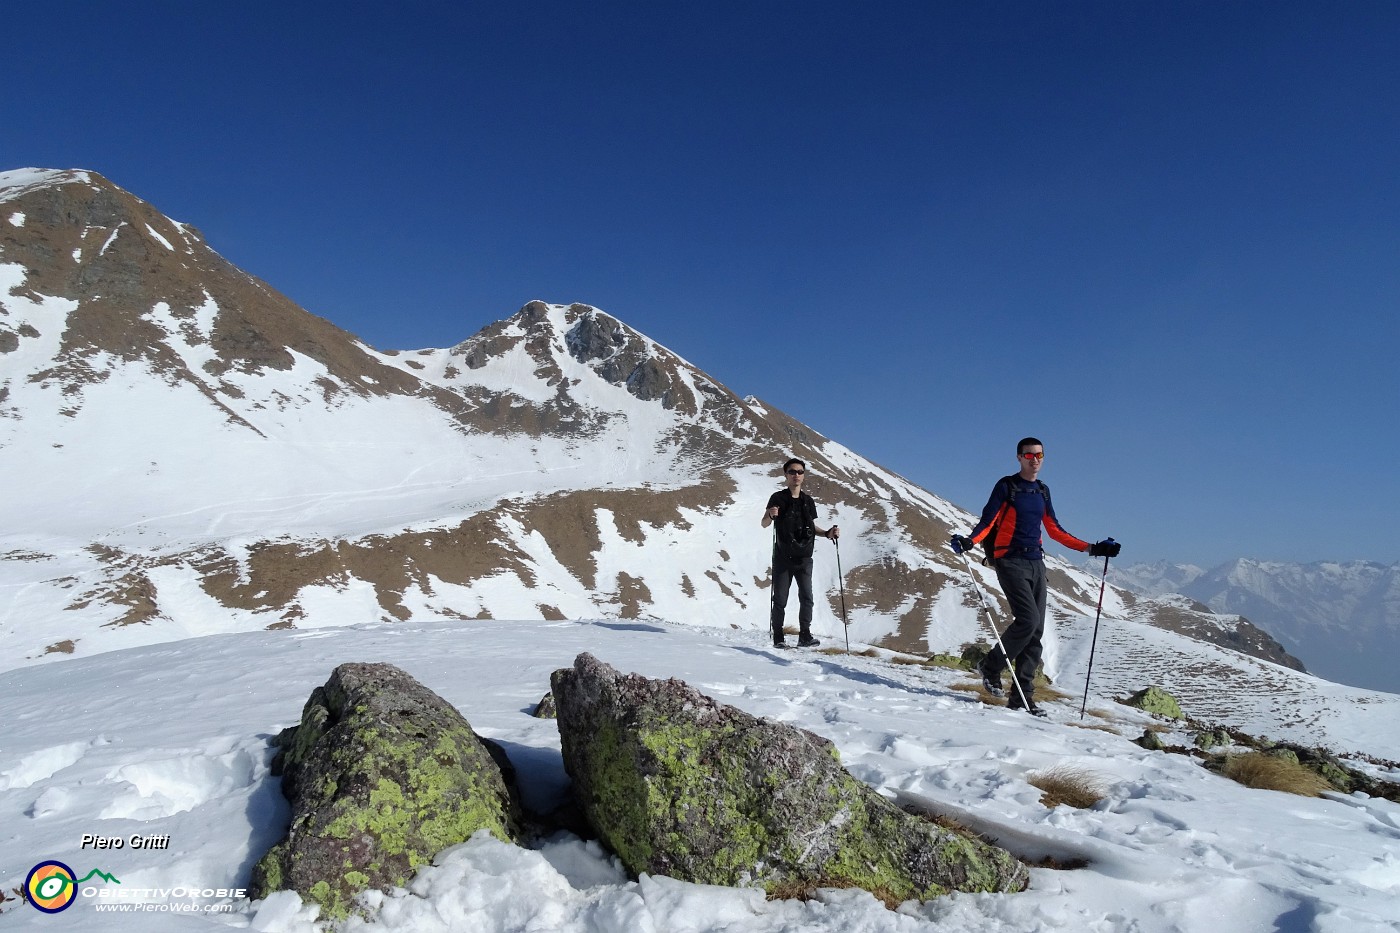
[961, 545]
[772, 513]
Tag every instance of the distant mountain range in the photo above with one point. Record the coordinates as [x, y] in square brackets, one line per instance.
[188, 453]
[1342, 619]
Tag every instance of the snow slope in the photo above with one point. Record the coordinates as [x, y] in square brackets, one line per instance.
[171, 740]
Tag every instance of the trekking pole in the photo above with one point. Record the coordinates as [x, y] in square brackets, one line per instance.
[1094, 643]
[991, 620]
[842, 583]
[773, 582]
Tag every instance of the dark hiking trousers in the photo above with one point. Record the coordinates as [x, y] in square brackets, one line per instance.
[1023, 584]
[785, 570]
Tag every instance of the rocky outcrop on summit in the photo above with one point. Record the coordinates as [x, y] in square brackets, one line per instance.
[679, 785]
[382, 774]
[541, 337]
[604, 342]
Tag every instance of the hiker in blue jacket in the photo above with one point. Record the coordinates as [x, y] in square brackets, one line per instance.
[1011, 523]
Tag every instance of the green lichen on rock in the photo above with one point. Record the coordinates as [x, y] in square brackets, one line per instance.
[1150, 741]
[679, 785]
[974, 653]
[544, 709]
[1157, 701]
[1211, 738]
[950, 661]
[382, 774]
[1335, 775]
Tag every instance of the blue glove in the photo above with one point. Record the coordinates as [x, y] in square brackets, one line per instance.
[1105, 548]
[960, 544]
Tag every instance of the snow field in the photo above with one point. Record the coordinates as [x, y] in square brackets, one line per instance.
[172, 740]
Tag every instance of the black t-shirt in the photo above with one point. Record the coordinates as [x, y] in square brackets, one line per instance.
[796, 524]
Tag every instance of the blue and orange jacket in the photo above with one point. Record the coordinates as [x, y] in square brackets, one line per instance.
[1014, 513]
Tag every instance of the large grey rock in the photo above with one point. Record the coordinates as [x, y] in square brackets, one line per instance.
[382, 774]
[679, 785]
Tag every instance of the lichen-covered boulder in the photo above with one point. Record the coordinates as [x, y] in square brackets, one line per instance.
[382, 775]
[1211, 738]
[679, 785]
[1150, 741]
[1157, 701]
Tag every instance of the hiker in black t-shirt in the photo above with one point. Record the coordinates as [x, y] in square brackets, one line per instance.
[795, 515]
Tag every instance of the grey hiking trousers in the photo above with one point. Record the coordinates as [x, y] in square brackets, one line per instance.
[785, 570]
[1023, 583]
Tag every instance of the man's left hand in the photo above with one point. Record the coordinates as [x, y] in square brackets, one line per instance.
[1105, 548]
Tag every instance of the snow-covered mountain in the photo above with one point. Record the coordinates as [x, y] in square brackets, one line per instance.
[189, 457]
[1157, 578]
[190, 454]
[1342, 619]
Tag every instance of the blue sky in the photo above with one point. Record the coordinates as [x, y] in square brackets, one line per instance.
[1163, 237]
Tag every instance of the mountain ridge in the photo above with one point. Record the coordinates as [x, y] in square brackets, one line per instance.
[1342, 617]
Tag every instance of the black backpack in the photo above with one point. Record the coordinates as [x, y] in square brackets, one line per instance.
[800, 530]
[1013, 484]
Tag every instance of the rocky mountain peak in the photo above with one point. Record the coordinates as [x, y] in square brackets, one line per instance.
[98, 279]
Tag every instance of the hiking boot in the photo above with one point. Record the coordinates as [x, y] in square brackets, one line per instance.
[1029, 706]
[991, 682]
[808, 641]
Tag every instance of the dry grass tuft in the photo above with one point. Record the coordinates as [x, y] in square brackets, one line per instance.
[941, 820]
[1266, 772]
[978, 691]
[1062, 864]
[807, 890]
[1110, 728]
[1070, 786]
[838, 650]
